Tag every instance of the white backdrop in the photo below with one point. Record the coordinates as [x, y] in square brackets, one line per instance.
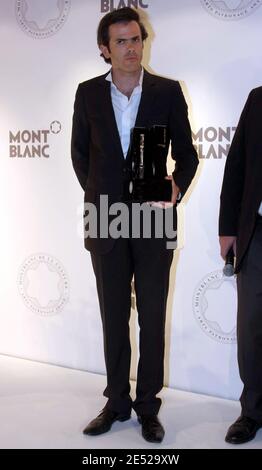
[49, 308]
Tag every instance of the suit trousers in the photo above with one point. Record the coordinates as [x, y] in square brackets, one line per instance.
[149, 261]
[249, 326]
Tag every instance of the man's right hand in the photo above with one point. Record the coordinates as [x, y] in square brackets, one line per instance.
[225, 245]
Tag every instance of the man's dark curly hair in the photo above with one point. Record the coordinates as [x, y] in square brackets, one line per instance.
[122, 15]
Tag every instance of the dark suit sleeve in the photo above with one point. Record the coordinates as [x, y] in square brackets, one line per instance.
[182, 149]
[234, 176]
[80, 139]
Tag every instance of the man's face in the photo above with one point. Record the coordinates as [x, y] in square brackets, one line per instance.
[125, 47]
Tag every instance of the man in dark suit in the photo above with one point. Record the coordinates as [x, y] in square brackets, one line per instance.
[240, 227]
[106, 108]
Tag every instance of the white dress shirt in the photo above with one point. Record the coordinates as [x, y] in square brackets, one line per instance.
[260, 209]
[125, 110]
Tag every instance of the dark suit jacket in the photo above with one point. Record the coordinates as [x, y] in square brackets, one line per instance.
[97, 154]
[241, 192]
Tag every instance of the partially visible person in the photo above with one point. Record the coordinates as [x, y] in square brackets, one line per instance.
[240, 227]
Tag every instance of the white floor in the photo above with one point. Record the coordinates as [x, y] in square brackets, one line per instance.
[44, 406]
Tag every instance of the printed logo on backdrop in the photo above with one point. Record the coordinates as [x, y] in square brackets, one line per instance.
[231, 9]
[213, 142]
[43, 284]
[41, 19]
[214, 307]
[32, 143]
[110, 5]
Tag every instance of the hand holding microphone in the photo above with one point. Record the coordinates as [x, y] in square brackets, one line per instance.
[228, 269]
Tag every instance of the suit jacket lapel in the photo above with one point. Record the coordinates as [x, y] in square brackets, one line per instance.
[106, 108]
[147, 99]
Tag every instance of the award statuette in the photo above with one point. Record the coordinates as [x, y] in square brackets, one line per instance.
[148, 152]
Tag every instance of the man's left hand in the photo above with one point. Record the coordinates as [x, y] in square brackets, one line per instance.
[175, 189]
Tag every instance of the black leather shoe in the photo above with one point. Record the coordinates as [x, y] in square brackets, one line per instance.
[243, 430]
[152, 429]
[103, 422]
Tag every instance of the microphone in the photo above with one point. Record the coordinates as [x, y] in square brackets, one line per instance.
[228, 269]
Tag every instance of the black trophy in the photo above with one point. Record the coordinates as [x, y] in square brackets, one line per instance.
[148, 152]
